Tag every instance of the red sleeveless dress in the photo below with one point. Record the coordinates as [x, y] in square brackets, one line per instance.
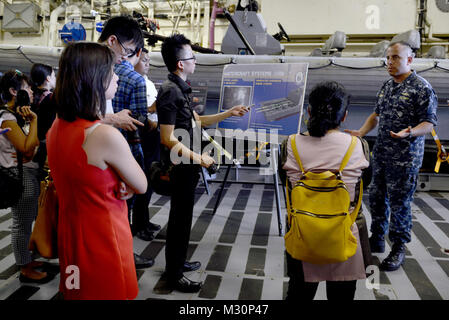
[93, 228]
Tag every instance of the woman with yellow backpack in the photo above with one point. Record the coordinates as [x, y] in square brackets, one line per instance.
[323, 168]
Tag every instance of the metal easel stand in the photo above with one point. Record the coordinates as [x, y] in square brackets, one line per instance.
[273, 154]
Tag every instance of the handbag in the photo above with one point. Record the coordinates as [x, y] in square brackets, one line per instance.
[11, 187]
[44, 236]
[160, 178]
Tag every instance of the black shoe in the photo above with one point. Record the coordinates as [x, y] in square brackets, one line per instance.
[395, 259]
[191, 266]
[45, 279]
[49, 268]
[377, 244]
[141, 262]
[186, 285]
[152, 227]
[145, 235]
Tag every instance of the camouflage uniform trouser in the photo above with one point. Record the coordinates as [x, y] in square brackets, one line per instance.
[390, 195]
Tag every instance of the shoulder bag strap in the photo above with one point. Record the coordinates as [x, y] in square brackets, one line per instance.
[43, 95]
[289, 207]
[342, 166]
[355, 212]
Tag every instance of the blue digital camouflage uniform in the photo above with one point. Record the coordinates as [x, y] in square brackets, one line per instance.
[396, 162]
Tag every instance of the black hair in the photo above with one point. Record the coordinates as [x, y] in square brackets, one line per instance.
[39, 73]
[402, 42]
[12, 79]
[328, 103]
[171, 50]
[144, 50]
[125, 28]
[85, 71]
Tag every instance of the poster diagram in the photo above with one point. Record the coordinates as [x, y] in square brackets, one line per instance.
[275, 93]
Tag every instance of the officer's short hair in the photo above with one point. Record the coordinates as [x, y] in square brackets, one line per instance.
[404, 44]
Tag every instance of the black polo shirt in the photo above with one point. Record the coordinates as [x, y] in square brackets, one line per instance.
[173, 104]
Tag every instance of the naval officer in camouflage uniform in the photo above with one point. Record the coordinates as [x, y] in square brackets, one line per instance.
[405, 111]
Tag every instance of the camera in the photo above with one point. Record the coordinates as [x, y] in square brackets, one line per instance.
[134, 137]
[142, 23]
[213, 168]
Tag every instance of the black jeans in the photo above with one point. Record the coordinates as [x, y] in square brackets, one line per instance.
[299, 289]
[183, 179]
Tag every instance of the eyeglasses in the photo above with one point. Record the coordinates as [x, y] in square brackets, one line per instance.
[128, 52]
[191, 58]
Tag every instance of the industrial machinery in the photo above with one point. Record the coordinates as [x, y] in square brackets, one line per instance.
[247, 33]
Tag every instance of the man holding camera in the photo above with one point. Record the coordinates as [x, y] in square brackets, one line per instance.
[132, 94]
[123, 35]
[175, 113]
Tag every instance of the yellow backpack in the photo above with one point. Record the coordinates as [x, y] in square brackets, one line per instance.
[318, 215]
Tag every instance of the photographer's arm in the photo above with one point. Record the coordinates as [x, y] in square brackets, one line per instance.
[122, 120]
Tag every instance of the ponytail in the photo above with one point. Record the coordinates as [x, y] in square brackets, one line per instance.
[328, 103]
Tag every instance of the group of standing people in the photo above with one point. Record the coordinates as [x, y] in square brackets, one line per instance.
[100, 173]
[105, 124]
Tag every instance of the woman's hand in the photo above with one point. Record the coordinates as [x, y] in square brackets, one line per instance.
[124, 192]
[26, 113]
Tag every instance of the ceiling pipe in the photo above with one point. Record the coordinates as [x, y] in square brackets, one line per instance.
[53, 29]
[215, 11]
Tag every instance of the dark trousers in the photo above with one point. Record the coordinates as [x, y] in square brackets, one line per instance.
[183, 179]
[299, 290]
[390, 196]
[139, 203]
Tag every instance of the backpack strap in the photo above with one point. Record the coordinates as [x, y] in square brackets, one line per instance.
[289, 209]
[295, 152]
[348, 154]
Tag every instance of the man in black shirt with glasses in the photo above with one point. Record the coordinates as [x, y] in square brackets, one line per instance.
[175, 113]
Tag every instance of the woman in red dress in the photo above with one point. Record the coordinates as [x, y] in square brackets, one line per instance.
[91, 165]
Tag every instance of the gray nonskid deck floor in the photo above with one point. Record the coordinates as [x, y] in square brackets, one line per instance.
[242, 254]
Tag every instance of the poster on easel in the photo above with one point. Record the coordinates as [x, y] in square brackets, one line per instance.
[274, 92]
